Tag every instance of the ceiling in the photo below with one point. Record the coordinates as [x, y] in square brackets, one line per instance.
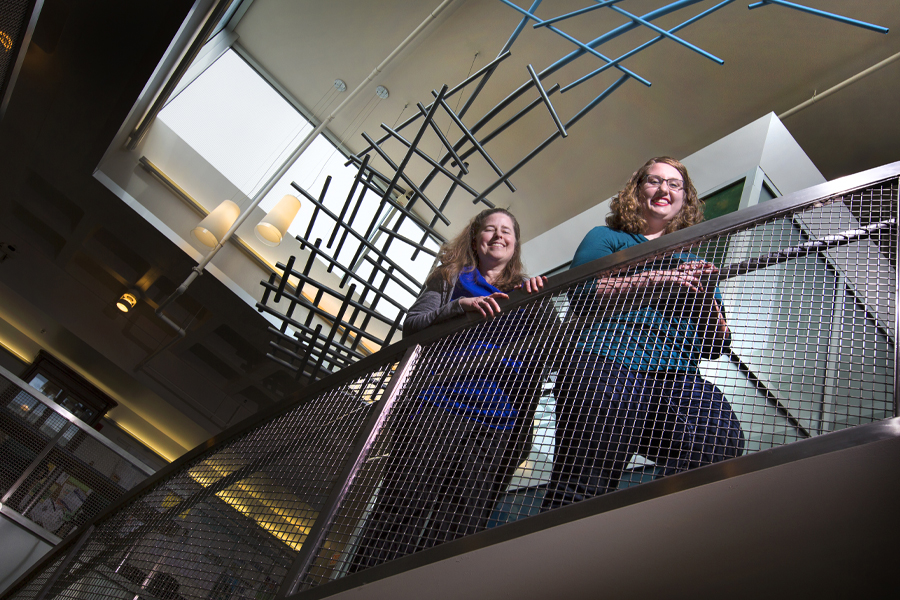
[774, 59]
[79, 247]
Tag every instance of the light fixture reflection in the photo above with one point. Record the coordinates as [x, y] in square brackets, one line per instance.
[274, 226]
[216, 224]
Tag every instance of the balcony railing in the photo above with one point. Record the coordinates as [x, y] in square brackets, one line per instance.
[56, 472]
[471, 425]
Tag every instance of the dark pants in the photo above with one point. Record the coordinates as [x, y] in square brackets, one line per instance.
[442, 482]
[606, 413]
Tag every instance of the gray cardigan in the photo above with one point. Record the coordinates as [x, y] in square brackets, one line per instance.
[432, 306]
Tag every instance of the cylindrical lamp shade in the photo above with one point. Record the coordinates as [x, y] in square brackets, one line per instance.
[273, 227]
[127, 302]
[217, 223]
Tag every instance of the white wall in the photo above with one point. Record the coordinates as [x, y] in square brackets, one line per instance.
[19, 550]
[764, 143]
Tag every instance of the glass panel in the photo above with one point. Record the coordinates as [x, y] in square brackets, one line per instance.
[236, 121]
[727, 200]
[46, 387]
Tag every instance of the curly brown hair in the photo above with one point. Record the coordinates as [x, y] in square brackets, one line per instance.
[459, 254]
[626, 209]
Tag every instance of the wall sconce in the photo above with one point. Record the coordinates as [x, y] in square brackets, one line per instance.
[128, 300]
[274, 226]
[216, 224]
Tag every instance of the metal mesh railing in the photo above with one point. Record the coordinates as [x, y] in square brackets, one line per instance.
[56, 471]
[230, 521]
[619, 374]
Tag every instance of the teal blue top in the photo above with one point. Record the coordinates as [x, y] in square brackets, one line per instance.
[649, 338]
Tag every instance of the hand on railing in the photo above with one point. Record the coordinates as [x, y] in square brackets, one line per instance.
[488, 306]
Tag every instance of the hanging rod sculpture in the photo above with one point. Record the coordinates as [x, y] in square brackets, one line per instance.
[316, 342]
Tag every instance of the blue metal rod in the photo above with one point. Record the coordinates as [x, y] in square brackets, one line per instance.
[552, 138]
[667, 34]
[646, 45]
[616, 33]
[821, 13]
[581, 45]
[519, 28]
[575, 13]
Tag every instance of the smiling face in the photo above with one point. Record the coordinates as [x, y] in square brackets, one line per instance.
[496, 242]
[659, 204]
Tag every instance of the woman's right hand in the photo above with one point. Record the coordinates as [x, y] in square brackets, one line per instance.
[486, 305]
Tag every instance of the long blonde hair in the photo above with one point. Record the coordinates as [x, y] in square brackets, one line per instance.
[626, 209]
[459, 254]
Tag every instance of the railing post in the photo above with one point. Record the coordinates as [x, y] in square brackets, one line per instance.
[70, 555]
[34, 465]
[345, 479]
[895, 232]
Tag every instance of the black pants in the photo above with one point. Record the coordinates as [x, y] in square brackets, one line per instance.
[606, 413]
[442, 482]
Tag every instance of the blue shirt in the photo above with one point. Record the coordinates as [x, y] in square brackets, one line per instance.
[655, 337]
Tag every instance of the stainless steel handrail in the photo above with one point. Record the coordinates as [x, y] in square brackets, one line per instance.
[718, 227]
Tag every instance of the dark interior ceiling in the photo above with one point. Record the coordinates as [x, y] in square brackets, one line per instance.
[79, 247]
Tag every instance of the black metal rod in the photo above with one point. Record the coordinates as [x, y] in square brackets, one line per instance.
[405, 210]
[315, 214]
[416, 140]
[347, 202]
[552, 138]
[546, 99]
[394, 328]
[400, 174]
[334, 327]
[341, 351]
[488, 67]
[267, 291]
[360, 238]
[512, 120]
[433, 162]
[444, 203]
[335, 353]
[468, 134]
[350, 221]
[301, 365]
[392, 233]
[335, 294]
[284, 279]
[444, 141]
[309, 349]
[315, 310]
[352, 275]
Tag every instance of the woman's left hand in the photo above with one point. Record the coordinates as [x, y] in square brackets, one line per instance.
[533, 284]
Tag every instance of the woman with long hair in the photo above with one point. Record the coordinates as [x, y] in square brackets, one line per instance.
[455, 441]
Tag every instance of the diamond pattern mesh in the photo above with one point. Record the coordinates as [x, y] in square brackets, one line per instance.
[230, 523]
[642, 371]
[76, 476]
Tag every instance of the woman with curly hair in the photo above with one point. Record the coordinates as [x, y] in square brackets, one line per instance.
[633, 385]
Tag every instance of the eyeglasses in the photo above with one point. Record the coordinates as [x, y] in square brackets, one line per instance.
[675, 185]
